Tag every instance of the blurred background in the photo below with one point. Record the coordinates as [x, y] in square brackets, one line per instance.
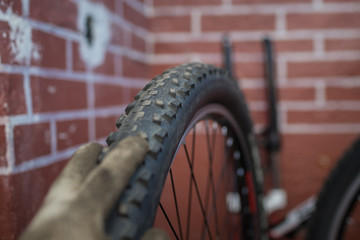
[69, 68]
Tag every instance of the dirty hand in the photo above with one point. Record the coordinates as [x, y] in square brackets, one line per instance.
[82, 196]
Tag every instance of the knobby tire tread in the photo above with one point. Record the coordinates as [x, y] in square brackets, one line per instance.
[330, 196]
[156, 111]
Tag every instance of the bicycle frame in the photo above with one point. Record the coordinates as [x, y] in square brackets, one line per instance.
[270, 140]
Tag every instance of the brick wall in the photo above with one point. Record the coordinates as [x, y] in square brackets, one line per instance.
[56, 96]
[318, 67]
[58, 89]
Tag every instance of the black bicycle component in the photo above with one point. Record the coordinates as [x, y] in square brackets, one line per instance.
[337, 209]
[271, 134]
[227, 55]
[295, 220]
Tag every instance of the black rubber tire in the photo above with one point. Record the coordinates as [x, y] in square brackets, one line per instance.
[160, 114]
[332, 206]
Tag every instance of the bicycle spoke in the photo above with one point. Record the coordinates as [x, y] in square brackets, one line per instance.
[214, 137]
[225, 227]
[206, 207]
[215, 225]
[223, 170]
[176, 204]
[231, 229]
[189, 210]
[168, 220]
[223, 181]
[211, 150]
[198, 193]
[190, 183]
[210, 180]
[213, 183]
[207, 192]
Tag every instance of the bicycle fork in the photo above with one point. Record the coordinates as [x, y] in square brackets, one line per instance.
[270, 138]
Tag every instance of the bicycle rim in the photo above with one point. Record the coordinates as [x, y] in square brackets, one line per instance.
[337, 215]
[346, 223]
[208, 193]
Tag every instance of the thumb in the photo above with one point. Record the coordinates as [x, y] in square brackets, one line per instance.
[155, 234]
[104, 184]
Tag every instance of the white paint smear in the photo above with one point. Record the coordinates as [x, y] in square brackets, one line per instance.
[22, 49]
[93, 54]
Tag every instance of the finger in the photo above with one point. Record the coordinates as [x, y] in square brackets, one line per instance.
[76, 170]
[155, 234]
[107, 181]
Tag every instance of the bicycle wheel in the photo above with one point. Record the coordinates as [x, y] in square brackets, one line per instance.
[337, 213]
[190, 110]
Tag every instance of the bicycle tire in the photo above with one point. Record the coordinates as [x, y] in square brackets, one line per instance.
[160, 114]
[337, 198]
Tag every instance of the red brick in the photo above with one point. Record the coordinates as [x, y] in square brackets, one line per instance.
[21, 196]
[239, 47]
[187, 47]
[14, 5]
[343, 93]
[52, 50]
[255, 94]
[341, 1]
[249, 70]
[12, 96]
[323, 21]
[118, 66]
[110, 4]
[248, 47]
[107, 95]
[186, 2]
[252, 22]
[296, 94]
[105, 125]
[170, 24]
[158, 69]
[54, 12]
[135, 17]
[323, 116]
[57, 95]
[324, 69]
[3, 160]
[269, 1]
[259, 117]
[294, 45]
[134, 68]
[133, 92]
[128, 94]
[71, 133]
[117, 36]
[138, 43]
[342, 44]
[284, 94]
[78, 63]
[31, 141]
[108, 66]
[307, 160]
[7, 225]
[6, 54]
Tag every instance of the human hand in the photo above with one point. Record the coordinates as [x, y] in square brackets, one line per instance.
[80, 199]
